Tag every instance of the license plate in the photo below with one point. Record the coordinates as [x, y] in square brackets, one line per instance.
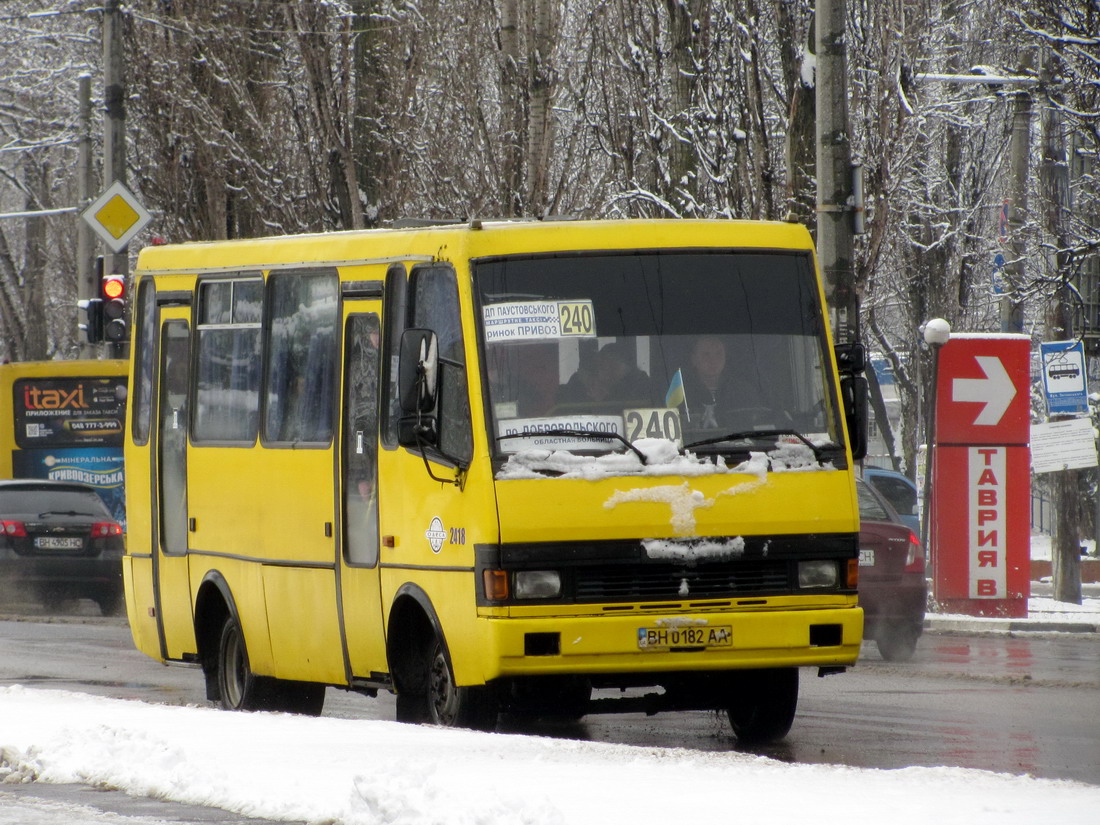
[58, 543]
[663, 638]
[866, 558]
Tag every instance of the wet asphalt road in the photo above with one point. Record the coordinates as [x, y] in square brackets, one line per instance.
[1015, 704]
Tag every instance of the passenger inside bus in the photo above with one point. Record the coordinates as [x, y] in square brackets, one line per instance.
[713, 392]
[608, 375]
[538, 379]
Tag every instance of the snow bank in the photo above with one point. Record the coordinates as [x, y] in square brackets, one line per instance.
[358, 772]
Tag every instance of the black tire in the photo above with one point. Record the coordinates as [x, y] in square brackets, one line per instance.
[305, 698]
[412, 707]
[457, 707]
[763, 705]
[550, 697]
[241, 689]
[110, 605]
[55, 600]
[238, 687]
[897, 643]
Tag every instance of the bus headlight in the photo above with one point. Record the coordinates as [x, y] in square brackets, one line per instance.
[817, 574]
[537, 584]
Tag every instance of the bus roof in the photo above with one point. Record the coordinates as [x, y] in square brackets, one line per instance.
[465, 241]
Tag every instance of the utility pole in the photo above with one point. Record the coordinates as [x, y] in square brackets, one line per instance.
[114, 128]
[1012, 308]
[836, 201]
[1054, 180]
[114, 97]
[86, 287]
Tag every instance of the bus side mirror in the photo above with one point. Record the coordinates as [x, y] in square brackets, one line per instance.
[851, 361]
[853, 391]
[851, 358]
[418, 385]
[418, 371]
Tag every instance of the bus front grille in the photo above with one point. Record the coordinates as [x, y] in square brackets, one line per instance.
[659, 582]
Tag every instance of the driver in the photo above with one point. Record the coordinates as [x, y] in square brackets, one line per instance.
[712, 392]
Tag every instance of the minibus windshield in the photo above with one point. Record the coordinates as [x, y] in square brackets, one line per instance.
[705, 349]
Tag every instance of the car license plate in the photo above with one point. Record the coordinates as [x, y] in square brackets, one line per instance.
[866, 558]
[663, 638]
[58, 543]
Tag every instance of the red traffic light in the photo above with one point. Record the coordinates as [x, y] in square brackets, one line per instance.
[112, 287]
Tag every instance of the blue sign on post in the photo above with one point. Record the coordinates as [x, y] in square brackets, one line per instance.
[1065, 383]
[999, 274]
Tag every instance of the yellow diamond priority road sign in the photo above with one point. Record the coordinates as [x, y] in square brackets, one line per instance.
[116, 216]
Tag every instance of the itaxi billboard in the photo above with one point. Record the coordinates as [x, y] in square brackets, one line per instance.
[981, 476]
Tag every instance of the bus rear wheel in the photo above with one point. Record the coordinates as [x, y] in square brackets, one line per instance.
[238, 686]
[241, 689]
[453, 706]
[763, 704]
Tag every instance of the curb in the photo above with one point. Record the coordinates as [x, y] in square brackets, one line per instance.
[944, 624]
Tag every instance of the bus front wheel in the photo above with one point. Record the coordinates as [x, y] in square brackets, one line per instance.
[453, 706]
[763, 705]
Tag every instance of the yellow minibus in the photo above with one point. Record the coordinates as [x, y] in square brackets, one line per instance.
[539, 468]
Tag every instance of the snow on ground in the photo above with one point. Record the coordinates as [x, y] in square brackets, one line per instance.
[358, 772]
[1042, 613]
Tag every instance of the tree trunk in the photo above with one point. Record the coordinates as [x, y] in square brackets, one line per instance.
[512, 108]
[539, 124]
[801, 157]
[369, 75]
[36, 345]
[681, 187]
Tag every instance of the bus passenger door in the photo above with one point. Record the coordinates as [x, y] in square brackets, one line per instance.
[171, 583]
[360, 599]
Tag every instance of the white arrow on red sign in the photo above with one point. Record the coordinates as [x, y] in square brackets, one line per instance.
[996, 390]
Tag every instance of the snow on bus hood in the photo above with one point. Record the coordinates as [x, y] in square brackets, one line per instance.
[663, 458]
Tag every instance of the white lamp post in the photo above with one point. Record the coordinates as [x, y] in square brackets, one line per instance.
[936, 333]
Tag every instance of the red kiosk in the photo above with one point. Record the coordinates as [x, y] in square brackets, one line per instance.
[980, 523]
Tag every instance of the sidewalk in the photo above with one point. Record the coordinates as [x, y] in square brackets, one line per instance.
[1045, 615]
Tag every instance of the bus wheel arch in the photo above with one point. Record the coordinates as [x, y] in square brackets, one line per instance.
[230, 681]
[423, 675]
[213, 606]
[223, 653]
[411, 627]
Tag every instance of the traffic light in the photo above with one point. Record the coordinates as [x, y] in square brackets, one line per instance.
[93, 319]
[112, 292]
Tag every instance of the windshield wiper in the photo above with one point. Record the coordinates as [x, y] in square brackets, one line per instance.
[579, 434]
[749, 434]
[65, 513]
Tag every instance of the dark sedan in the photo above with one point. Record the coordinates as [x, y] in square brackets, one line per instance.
[892, 588]
[58, 541]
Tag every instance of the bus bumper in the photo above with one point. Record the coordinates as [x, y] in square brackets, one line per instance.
[648, 644]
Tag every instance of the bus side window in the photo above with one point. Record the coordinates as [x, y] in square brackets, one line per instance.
[227, 395]
[298, 395]
[394, 319]
[434, 297]
[145, 341]
[361, 438]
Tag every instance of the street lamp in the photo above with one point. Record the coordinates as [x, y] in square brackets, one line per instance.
[936, 333]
